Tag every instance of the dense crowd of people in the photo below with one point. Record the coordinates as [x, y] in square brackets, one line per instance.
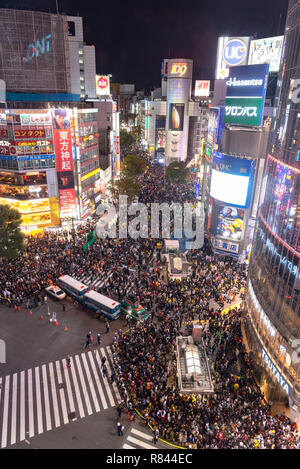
[235, 415]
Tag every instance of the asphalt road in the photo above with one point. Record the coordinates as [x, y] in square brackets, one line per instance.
[33, 346]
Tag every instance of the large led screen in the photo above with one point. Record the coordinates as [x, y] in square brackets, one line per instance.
[229, 188]
[176, 116]
[230, 222]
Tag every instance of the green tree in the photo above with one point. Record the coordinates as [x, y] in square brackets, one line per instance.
[136, 133]
[127, 141]
[177, 172]
[124, 186]
[133, 165]
[11, 238]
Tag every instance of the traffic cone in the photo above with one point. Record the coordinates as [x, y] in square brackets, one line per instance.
[18, 308]
[66, 329]
[56, 323]
[30, 312]
[15, 307]
[42, 317]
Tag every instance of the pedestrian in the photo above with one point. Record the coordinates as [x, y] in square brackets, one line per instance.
[103, 360]
[63, 307]
[68, 360]
[99, 339]
[120, 410]
[112, 378]
[104, 371]
[107, 327]
[119, 429]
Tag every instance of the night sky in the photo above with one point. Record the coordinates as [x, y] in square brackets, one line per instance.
[132, 37]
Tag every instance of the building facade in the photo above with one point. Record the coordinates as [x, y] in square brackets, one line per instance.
[42, 54]
[49, 164]
[273, 286]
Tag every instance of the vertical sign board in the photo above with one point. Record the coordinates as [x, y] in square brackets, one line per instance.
[245, 94]
[102, 85]
[64, 163]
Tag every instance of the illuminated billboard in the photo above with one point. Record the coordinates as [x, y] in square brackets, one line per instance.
[266, 51]
[176, 116]
[232, 51]
[245, 94]
[231, 179]
[230, 222]
[202, 87]
[102, 85]
[64, 161]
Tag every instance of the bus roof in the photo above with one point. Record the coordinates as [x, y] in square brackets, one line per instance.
[72, 282]
[104, 300]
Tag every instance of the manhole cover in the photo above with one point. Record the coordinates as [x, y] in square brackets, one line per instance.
[61, 385]
[72, 416]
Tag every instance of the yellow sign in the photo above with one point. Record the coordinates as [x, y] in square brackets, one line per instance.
[178, 68]
[86, 176]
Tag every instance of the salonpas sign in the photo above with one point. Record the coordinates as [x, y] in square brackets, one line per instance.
[243, 111]
[245, 94]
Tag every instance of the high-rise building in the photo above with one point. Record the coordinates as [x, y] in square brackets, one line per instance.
[273, 286]
[43, 54]
[49, 154]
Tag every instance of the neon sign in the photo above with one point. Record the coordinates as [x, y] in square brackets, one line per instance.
[274, 371]
[178, 68]
[39, 47]
[292, 268]
[268, 325]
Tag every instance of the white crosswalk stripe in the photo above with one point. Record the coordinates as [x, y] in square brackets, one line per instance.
[138, 440]
[44, 398]
[95, 281]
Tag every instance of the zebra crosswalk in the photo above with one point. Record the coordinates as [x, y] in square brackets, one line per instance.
[46, 397]
[137, 439]
[93, 280]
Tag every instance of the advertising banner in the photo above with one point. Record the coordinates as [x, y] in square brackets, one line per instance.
[29, 134]
[245, 94]
[36, 118]
[232, 51]
[243, 111]
[231, 179]
[176, 117]
[102, 85]
[230, 222]
[227, 247]
[202, 87]
[64, 162]
[266, 51]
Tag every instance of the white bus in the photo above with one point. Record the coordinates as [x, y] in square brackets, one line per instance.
[72, 287]
[102, 304]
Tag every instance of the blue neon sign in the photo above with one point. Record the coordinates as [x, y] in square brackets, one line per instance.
[38, 47]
